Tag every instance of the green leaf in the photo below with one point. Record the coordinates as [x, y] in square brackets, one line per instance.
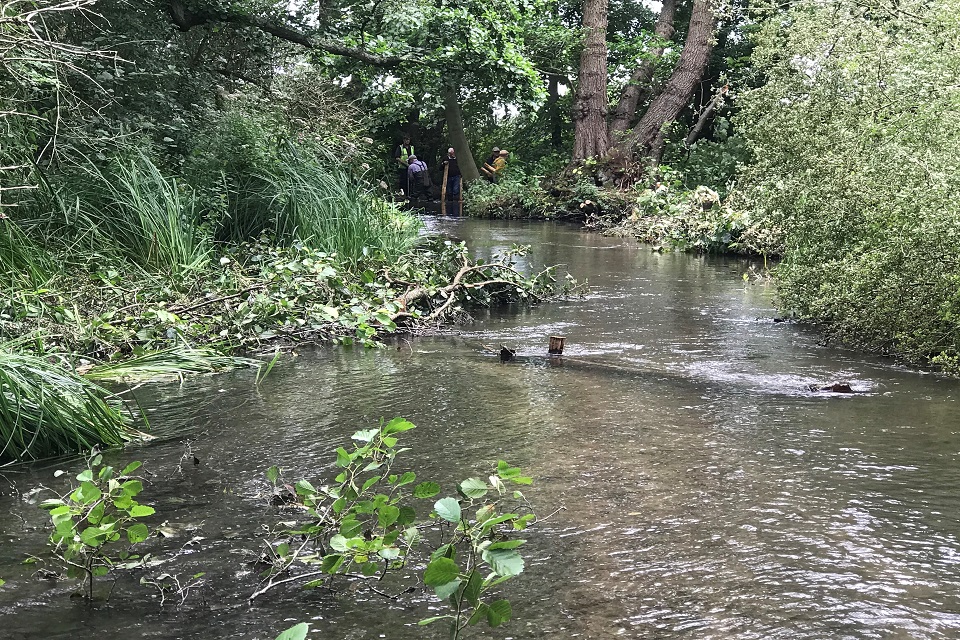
[141, 511]
[100, 571]
[444, 591]
[95, 514]
[406, 478]
[88, 493]
[506, 544]
[478, 614]
[426, 490]
[389, 553]
[331, 562]
[296, 632]
[448, 509]
[339, 543]
[132, 488]
[93, 536]
[407, 515]
[504, 562]
[350, 527]
[366, 435]
[427, 621]
[492, 522]
[398, 425]
[137, 533]
[440, 571]
[370, 482]
[473, 488]
[474, 588]
[130, 468]
[505, 471]
[498, 612]
[343, 458]
[304, 488]
[85, 476]
[273, 474]
[388, 515]
[522, 522]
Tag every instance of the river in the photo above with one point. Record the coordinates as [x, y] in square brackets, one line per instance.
[706, 492]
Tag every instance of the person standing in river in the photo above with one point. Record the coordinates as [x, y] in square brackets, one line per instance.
[402, 157]
[418, 180]
[453, 175]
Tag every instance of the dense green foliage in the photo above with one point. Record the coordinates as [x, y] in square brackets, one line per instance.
[856, 136]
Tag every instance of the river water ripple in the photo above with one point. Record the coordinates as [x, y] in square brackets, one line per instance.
[707, 492]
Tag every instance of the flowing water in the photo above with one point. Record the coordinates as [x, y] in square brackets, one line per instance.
[707, 493]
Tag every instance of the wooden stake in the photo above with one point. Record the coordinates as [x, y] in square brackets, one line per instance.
[443, 190]
[556, 345]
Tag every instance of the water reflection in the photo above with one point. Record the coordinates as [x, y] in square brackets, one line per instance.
[707, 492]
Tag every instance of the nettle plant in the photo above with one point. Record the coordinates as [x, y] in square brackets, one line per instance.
[95, 523]
[365, 524]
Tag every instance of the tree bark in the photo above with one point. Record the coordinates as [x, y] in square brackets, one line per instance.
[553, 110]
[647, 138]
[458, 137]
[638, 88]
[590, 106]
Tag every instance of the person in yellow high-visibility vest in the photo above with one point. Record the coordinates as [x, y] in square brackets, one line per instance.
[402, 157]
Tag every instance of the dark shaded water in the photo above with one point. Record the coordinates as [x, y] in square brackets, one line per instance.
[707, 493]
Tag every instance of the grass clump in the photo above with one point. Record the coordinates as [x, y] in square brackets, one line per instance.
[46, 410]
[129, 207]
[326, 208]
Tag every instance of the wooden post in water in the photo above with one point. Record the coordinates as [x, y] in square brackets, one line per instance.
[556, 345]
[443, 190]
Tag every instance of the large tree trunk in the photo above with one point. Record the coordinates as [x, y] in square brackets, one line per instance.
[451, 107]
[553, 110]
[638, 88]
[590, 106]
[647, 138]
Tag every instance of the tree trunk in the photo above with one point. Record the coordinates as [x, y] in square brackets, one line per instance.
[647, 138]
[458, 137]
[639, 86]
[553, 110]
[590, 106]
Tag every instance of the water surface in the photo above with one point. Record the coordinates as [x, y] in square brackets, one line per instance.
[706, 492]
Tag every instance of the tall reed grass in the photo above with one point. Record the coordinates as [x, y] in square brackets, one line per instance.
[22, 261]
[132, 208]
[309, 200]
[46, 410]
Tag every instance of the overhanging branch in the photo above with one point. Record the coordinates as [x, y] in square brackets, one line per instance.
[186, 18]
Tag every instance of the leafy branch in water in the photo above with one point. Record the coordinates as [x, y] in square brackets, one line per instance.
[364, 523]
[100, 514]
